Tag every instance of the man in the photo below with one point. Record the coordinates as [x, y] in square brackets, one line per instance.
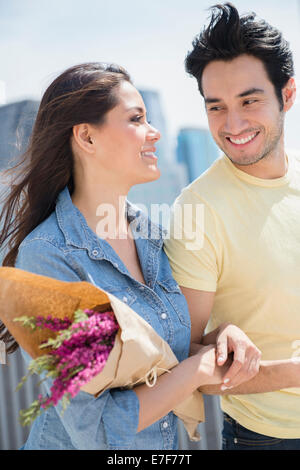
[247, 269]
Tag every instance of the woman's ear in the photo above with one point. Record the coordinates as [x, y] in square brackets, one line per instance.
[82, 137]
[289, 94]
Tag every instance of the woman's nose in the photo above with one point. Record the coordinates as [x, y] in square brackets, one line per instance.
[153, 133]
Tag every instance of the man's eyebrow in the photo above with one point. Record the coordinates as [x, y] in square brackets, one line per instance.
[212, 100]
[251, 91]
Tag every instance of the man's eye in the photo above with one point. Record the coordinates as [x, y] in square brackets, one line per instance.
[250, 101]
[214, 108]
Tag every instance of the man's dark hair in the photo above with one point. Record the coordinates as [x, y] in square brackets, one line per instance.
[228, 36]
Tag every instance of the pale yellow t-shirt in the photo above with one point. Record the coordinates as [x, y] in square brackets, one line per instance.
[239, 236]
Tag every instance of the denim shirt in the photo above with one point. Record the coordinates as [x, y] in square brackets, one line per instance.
[65, 248]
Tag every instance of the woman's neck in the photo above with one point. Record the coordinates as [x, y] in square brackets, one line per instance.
[104, 210]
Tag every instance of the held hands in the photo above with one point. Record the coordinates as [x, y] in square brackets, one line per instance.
[210, 373]
[232, 360]
[246, 356]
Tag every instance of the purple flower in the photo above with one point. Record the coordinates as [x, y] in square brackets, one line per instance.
[82, 356]
[55, 324]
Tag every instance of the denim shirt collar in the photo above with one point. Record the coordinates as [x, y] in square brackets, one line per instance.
[77, 233]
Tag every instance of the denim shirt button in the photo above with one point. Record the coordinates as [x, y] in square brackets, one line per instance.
[164, 316]
[95, 252]
[165, 425]
[125, 299]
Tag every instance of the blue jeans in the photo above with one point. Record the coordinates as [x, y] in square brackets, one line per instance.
[236, 437]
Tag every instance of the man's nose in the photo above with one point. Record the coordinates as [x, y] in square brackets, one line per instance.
[235, 123]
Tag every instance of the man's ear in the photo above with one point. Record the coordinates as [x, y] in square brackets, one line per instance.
[82, 137]
[289, 94]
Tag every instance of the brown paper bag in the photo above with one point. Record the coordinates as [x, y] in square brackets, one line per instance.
[139, 354]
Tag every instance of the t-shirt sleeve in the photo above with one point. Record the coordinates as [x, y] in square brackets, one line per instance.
[193, 244]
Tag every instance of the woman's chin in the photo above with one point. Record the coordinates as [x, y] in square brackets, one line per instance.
[151, 176]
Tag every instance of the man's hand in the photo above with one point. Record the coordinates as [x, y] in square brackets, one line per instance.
[228, 338]
[246, 356]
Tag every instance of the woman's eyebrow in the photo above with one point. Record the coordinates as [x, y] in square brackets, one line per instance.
[137, 108]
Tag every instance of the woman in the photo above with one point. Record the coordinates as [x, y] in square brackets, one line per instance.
[90, 144]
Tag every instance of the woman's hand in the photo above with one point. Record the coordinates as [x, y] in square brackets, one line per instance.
[210, 373]
[246, 356]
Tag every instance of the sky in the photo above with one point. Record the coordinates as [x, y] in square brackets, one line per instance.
[41, 38]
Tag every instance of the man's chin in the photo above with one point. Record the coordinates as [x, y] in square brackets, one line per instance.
[245, 161]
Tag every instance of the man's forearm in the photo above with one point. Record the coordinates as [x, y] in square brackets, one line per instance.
[272, 376]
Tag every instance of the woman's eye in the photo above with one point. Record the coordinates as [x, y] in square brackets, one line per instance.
[138, 118]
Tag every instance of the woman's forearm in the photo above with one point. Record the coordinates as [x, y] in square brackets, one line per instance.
[174, 387]
[171, 389]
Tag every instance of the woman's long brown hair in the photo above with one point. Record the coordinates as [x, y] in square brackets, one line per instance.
[82, 94]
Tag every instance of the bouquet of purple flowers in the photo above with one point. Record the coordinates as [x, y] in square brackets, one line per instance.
[84, 338]
[78, 353]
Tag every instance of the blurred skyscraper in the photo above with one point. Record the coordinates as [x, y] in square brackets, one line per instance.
[2, 93]
[197, 150]
[156, 117]
[173, 174]
[16, 121]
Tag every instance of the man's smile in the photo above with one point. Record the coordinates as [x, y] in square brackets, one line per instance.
[243, 140]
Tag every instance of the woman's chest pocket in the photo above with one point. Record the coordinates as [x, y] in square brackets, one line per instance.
[172, 293]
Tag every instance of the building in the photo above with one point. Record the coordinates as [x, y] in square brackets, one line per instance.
[173, 174]
[197, 150]
[16, 124]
